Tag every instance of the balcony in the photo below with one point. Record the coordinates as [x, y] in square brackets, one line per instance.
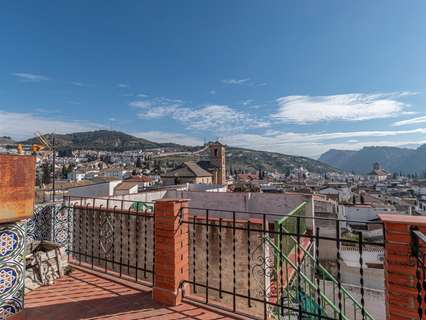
[133, 260]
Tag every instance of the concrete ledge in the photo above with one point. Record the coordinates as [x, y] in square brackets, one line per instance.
[403, 219]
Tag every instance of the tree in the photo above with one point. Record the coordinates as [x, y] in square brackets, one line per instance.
[138, 163]
[64, 171]
[47, 171]
[106, 159]
[157, 166]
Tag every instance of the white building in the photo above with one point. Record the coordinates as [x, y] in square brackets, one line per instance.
[76, 175]
[378, 174]
[118, 173]
[126, 187]
[99, 188]
[339, 194]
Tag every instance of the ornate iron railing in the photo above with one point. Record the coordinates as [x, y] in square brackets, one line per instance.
[108, 235]
[243, 262]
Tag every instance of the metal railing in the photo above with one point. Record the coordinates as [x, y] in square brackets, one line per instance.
[267, 265]
[258, 264]
[315, 278]
[110, 235]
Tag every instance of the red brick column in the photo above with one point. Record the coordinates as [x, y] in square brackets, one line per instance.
[171, 250]
[400, 266]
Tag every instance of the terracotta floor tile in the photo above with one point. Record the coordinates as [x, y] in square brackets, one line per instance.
[88, 296]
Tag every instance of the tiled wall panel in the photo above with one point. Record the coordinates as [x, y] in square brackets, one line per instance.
[12, 268]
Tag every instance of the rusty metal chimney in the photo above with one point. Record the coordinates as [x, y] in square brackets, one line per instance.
[17, 187]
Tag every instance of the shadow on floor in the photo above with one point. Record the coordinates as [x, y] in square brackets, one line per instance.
[86, 295]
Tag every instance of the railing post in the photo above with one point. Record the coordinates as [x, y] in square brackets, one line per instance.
[171, 250]
[401, 292]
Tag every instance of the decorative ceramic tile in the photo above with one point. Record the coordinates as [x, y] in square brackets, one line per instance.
[12, 243]
[39, 227]
[50, 222]
[10, 307]
[11, 278]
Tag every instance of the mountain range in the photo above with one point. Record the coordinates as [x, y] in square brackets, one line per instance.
[393, 159]
[237, 158]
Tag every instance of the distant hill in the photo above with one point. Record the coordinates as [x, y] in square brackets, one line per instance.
[252, 160]
[391, 158]
[5, 140]
[100, 140]
[238, 158]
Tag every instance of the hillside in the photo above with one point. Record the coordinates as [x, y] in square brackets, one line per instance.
[101, 140]
[391, 158]
[4, 140]
[252, 160]
[237, 158]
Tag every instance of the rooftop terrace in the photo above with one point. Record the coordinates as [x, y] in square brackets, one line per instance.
[85, 294]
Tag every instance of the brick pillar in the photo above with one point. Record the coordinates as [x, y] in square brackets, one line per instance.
[171, 250]
[400, 266]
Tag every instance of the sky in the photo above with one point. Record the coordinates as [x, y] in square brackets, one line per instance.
[297, 77]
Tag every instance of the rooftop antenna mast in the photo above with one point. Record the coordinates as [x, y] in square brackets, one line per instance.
[52, 148]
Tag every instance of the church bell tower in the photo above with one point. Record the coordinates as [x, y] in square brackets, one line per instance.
[217, 158]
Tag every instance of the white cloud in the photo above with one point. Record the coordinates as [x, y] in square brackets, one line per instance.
[247, 102]
[418, 120]
[140, 104]
[314, 144]
[23, 125]
[348, 107]
[180, 138]
[220, 118]
[303, 137]
[30, 77]
[157, 107]
[159, 112]
[236, 81]
[142, 95]
[122, 85]
[212, 92]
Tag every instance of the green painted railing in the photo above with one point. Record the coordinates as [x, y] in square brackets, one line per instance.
[309, 287]
[306, 283]
[142, 206]
[289, 223]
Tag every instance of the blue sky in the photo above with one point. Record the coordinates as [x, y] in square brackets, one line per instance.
[296, 77]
